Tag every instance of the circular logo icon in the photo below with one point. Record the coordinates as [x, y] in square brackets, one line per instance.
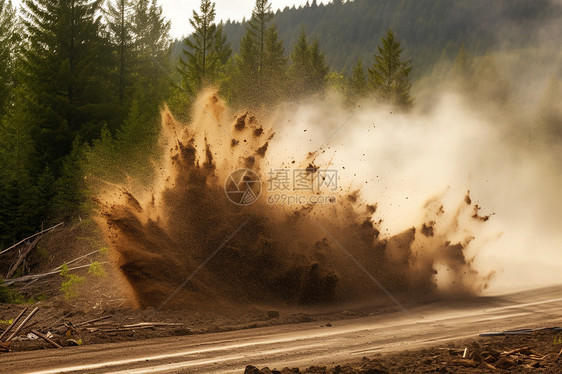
[243, 187]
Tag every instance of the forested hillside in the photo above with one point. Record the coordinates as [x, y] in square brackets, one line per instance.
[429, 29]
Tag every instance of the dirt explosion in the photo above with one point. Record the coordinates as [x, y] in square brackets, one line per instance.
[184, 230]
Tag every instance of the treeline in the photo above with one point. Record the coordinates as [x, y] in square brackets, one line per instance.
[262, 73]
[431, 30]
[71, 72]
[82, 82]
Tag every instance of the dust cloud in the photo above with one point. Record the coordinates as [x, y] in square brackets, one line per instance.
[278, 253]
[459, 197]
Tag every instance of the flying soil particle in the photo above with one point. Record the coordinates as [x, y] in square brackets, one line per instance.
[258, 132]
[241, 122]
[261, 150]
[427, 229]
[280, 256]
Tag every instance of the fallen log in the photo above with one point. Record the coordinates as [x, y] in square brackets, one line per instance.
[46, 338]
[136, 326]
[122, 322]
[14, 322]
[27, 278]
[31, 237]
[76, 260]
[92, 321]
[153, 324]
[524, 350]
[22, 257]
[22, 325]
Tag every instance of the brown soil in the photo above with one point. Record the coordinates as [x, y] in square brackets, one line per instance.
[66, 321]
[540, 352]
[281, 255]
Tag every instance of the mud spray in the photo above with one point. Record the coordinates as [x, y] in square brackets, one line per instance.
[402, 207]
[283, 254]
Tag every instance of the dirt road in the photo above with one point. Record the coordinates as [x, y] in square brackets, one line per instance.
[301, 344]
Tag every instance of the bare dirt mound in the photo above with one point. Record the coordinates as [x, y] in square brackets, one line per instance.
[184, 229]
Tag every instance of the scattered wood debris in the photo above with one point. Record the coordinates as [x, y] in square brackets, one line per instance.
[22, 325]
[65, 332]
[6, 345]
[14, 322]
[46, 338]
[23, 241]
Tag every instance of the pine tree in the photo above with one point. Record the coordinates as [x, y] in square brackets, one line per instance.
[308, 69]
[119, 23]
[8, 42]
[244, 83]
[149, 56]
[222, 48]
[257, 28]
[64, 72]
[319, 69]
[300, 66]
[20, 210]
[274, 68]
[389, 75]
[259, 46]
[150, 31]
[199, 50]
[358, 86]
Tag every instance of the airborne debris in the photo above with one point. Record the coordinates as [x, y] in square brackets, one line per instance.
[158, 240]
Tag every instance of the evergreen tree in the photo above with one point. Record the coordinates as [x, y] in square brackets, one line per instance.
[308, 69]
[358, 86]
[300, 62]
[150, 31]
[318, 68]
[21, 203]
[119, 23]
[389, 75]
[222, 49]
[274, 68]
[257, 28]
[258, 47]
[244, 83]
[64, 73]
[8, 42]
[201, 60]
[149, 57]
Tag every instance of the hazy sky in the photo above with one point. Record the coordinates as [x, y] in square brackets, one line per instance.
[179, 11]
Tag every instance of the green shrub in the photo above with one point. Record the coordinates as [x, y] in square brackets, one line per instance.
[96, 269]
[70, 282]
[9, 296]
